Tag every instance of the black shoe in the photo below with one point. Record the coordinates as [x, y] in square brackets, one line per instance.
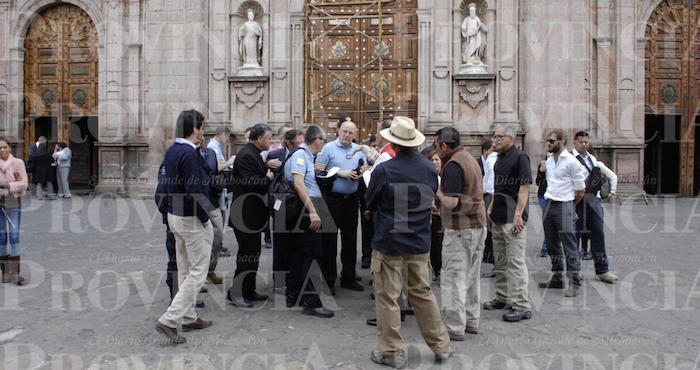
[544, 254]
[224, 249]
[353, 285]
[199, 304]
[551, 285]
[371, 295]
[408, 312]
[224, 253]
[516, 315]
[373, 322]
[494, 305]
[255, 297]
[291, 301]
[268, 245]
[318, 311]
[588, 256]
[365, 265]
[358, 278]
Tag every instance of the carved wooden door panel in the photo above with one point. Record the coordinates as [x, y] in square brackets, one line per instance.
[672, 76]
[60, 72]
[345, 59]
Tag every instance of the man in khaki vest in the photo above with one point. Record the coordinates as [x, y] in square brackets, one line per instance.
[461, 197]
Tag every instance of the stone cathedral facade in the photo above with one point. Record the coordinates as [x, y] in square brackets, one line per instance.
[109, 77]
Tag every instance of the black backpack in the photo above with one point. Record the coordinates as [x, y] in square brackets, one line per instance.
[283, 199]
[596, 180]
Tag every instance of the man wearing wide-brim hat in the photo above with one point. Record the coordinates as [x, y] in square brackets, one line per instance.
[401, 201]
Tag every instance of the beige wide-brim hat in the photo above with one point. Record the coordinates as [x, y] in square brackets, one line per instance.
[403, 132]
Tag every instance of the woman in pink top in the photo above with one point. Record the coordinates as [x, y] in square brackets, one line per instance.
[13, 185]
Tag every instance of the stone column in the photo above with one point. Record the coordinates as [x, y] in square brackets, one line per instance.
[4, 68]
[296, 87]
[424, 68]
[15, 108]
[507, 52]
[219, 47]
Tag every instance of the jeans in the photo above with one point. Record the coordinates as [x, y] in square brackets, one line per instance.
[63, 188]
[559, 226]
[11, 218]
[590, 223]
[543, 204]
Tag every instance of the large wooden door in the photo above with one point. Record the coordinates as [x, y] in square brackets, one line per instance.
[361, 61]
[61, 82]
[672, 81]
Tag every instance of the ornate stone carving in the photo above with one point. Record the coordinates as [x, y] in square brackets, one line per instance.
[47, 97]
[250, 46]
[339, 88]
[381, 50]
[669, 94]
[339, 49]
[249, 93]
[473, 40]
[473, 92]
[79, 97]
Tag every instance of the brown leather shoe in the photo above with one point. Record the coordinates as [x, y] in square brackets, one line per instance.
[170, 333]
[197, 325]
[5, 268]
[215, 278]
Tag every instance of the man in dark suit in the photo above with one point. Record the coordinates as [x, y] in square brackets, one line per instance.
[31, 153]
[252, 180]
[292, 140]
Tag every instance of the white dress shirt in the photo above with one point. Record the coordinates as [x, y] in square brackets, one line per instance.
[487, 181]
[607, 172]
[564, 178]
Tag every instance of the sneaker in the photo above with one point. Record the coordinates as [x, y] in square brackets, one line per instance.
[170, 333]
[400, 361]
[440, 357]
[197, 325]
[571, 292]
[204, 288]
[215, 278]
[606, 277]
[494, 305]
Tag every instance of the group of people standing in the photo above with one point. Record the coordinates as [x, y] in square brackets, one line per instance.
[49, 166]
[474, 201]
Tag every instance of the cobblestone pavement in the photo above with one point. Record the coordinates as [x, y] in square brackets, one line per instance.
[96, 268]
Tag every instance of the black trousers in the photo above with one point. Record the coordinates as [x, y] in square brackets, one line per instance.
[436, 236]
[344, 210]
[247, 261]
[281, 245]
[367, 235]
[171, 271]
[305, 251]
[488, 244]
[560, 234]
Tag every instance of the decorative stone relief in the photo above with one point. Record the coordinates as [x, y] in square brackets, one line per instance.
[386, 87]
[249, 93]
[473, 92]
[339, 49]
[250, 46]
[473, 32]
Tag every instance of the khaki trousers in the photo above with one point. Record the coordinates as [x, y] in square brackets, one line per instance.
[388, 282]
[193, 246]
[217, 221]
[509, 263]
[460, 281]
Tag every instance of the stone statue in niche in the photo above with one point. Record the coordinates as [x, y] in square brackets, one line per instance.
[250, 46]
[473, 43]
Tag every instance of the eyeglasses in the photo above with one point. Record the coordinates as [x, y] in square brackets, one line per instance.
[325, 141]
[551, 141]
[498, 137]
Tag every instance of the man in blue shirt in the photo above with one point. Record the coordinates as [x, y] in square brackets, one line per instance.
[189, 221]
[304, 247]
[343, 202]
[221, 136]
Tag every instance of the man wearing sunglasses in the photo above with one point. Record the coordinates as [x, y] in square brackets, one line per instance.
[565, 187]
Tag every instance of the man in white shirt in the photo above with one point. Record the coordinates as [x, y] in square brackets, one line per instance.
[565, 186]
[590, 210]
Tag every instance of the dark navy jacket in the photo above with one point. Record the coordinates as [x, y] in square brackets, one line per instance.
[185, 182]
[279, 154]
[401, 200]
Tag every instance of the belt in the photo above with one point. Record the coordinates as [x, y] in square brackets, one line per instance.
[342, 196]
[558, 202]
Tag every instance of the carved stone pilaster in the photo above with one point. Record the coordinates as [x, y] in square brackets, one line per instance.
[249, 90]
[474, 102]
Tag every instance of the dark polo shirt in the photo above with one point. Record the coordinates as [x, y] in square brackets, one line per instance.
[512, 169]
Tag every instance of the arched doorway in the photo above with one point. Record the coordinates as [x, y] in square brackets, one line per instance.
[362, 61]
[61, 85]
[672, 97]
